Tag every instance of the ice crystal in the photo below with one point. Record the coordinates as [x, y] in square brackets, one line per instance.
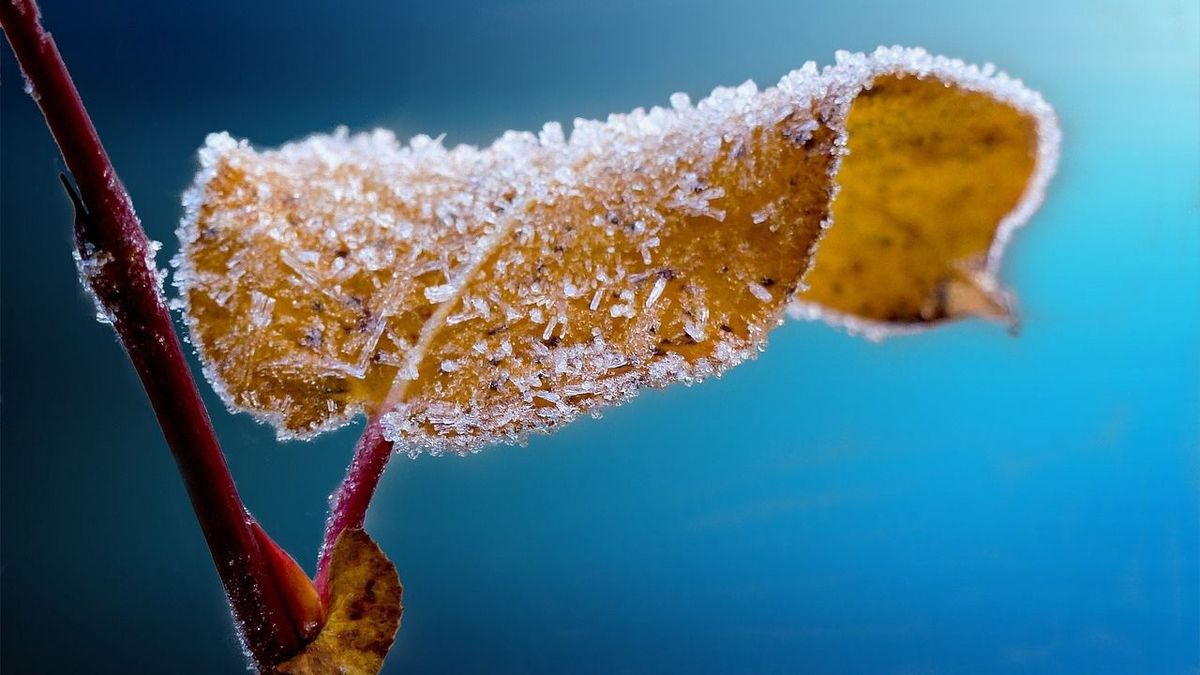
[89, 263]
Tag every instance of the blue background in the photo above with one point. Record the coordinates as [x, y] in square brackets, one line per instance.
[959, 501]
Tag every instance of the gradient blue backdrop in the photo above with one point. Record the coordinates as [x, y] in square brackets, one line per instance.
[961, 501]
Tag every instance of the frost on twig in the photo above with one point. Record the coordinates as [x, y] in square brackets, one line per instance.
[473, 295]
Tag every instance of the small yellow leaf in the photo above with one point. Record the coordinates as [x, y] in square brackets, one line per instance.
[471, 296]
[931, 173]
[363, 612]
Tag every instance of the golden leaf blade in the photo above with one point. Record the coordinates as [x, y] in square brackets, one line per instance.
[363, 612]
[471, 296]
[932, 172]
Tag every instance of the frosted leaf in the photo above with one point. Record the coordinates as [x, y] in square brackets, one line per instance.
[471, 296]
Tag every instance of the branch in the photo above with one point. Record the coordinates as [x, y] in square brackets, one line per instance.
[348, 504]
[117, 261]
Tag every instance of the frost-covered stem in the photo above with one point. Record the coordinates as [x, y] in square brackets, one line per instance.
[117, 261]
[348, 504]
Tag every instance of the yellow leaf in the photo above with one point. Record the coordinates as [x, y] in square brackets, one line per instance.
[363, 611]
[931, 174]
[471, 296]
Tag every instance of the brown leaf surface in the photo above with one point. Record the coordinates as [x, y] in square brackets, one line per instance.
[363, 612]
[470, 296]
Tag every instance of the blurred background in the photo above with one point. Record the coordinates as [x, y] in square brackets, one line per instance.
[958, 501]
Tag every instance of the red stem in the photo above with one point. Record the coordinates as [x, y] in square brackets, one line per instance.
[348, 504]
[118, 265]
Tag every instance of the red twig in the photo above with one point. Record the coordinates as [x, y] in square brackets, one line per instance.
[117, 263]
[348, 504]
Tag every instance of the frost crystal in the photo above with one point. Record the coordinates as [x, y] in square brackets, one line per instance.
[89, 263]
[470, 296]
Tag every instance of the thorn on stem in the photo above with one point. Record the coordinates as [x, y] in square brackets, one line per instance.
[81, 211]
